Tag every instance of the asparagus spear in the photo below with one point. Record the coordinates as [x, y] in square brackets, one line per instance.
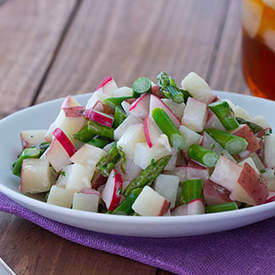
[148, 175]
[169, 128]
[202, 155]
[253, 126]
[141, 85]
[191, 190]
[85, 134]
[225, 114]
[119, 116]
[101, 130]
[233, 144]
[108, 162]
[100, 142]
[116, 101]
[221, 207]
[32, 152]
[94, 129]
[170, 89]
[125, 207]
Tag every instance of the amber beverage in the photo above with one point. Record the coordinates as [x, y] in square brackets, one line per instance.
[258, 46]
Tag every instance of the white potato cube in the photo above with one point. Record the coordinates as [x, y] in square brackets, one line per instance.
[60, 197]
[129, 121]
[197, 87]
[167, 186]
[30, 138]
[133, 135]
[86, 202]
[144, 154]
[150, 203]
[88, 155]
[178, 109]
[191, 137]
[195, 114]
[123, 91]
[36, 176]
[76, 177]
[269, 151]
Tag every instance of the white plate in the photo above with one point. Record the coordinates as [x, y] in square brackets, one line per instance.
[40, 116]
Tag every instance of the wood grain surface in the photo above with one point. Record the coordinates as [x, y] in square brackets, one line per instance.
[50, 48]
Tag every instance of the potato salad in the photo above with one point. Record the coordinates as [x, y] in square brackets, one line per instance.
[153, 149]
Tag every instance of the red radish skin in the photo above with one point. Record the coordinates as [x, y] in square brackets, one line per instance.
[156, 91]
[226, 173]
[114, 184]
[146, 132]
[69, 101]
[64, 141]
[164, 208]
[251, 182]
[140, 107]
[181, 210]
[195, 207]
[104, 82]
[155, 102]
[214, 193]
[75, 111]
[271, 197]
[245, 132]
[99, 117]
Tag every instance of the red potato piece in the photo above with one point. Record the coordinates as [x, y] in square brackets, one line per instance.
[226, 173]
[76, 111]
[111, 193]
[195, 114]
[250, 187]
[30, 138]
[197, 173]
[150, 203]
[181, 210]
[212, 121]
[140, 108]
[155, 102]
[269, 151]
[214, 193]
[263, 132]
[57, 155]
[195, 207]
[245, 132]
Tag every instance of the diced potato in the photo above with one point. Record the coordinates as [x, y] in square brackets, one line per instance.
[150, 203]
[60, 197]
[31, 138]
[191, 137]
[86, 202]
[36, 176]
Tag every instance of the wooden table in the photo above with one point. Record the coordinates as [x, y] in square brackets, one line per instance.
[51, 48]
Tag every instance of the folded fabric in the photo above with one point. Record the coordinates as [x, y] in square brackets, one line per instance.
[248, 250]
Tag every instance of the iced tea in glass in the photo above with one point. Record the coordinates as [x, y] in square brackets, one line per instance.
[258, 46]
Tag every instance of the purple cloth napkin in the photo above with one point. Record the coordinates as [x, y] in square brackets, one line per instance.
[248, 250]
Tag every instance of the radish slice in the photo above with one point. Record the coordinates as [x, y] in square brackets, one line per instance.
[99, 117]
[111, 194]
[64, 141]
[140, 108]
[156, 102]
[181, 210]
[151, 131]
[214, 193]
[195, 207]
[104, 82]
[69, 101]
[75, 111]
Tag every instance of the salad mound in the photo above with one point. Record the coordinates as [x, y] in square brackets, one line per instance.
[150, 150]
